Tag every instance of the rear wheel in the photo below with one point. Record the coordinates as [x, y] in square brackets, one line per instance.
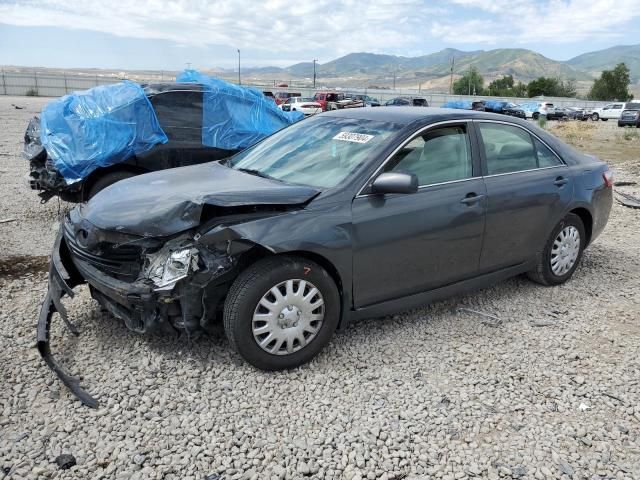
[106, 180]
[562, 252]
[604, 119]
[281, 311]
[536, 115]
[595, 117]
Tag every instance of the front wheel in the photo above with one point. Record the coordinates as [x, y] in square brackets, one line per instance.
[562, 252]
[536, 116]
[281, 311]
[595, 117]
[604, 119]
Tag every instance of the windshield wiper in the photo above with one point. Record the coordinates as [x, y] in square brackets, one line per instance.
[257, 173]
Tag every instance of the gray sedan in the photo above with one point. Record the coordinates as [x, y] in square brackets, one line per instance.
[349, 214]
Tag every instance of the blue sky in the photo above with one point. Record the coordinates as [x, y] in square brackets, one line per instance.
[157, 34]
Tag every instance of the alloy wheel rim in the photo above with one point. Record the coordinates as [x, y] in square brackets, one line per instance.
[565, 250]
[288, 317]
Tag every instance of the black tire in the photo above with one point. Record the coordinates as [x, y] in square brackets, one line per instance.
[247, 291]
[543, 273]
[595, 117]
[535, 116]
[604, 119]
[106, 180]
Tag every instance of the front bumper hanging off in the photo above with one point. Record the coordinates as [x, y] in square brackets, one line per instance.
[60, 284]
[186, 307]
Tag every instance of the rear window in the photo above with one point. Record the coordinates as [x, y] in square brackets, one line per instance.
[420, 102]
[633, 106]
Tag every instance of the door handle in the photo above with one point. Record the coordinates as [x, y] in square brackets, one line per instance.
[560, 181]
[471, 198]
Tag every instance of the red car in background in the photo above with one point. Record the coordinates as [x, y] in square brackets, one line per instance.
[282, 97]
[336, 101]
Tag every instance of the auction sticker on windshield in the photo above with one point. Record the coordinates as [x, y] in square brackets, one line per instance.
[353, 137]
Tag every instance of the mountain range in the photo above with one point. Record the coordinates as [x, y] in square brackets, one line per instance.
[523, 64]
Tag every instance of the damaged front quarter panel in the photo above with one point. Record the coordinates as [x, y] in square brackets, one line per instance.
[178, 288]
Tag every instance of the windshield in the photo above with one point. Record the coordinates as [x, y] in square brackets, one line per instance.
[304, 99]
[318, 152]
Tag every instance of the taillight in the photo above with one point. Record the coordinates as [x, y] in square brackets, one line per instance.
[608, 178]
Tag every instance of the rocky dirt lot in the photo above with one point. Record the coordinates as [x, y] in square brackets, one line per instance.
[552, 390]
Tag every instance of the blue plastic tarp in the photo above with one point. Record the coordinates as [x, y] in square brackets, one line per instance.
[458, 104]
[531, 107]
[495, 105]
[236, 117]
[97, 128]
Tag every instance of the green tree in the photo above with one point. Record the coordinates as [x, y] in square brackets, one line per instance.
[551, 87]
[567, 89]
[470, 83]
[543, 86]
[501, 87]
[506, 87]
[612, 85]
[520, 90]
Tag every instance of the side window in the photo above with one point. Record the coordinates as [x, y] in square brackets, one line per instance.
[180, 114]
[507, 149]
[617, 106]
[546, 158]
[439, 155]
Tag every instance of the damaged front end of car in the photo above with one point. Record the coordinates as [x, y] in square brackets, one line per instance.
[43, 175]
[154, 285]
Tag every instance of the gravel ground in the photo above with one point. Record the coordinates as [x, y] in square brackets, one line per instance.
[550, 391]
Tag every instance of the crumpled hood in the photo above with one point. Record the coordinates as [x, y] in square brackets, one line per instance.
[170, 201]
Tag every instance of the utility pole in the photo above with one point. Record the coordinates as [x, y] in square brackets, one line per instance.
[239, 82]
[453, 60]
[314, 72]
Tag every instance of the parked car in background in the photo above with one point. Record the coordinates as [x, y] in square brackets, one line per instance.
[514, 110]
[576, 113]
[281, 97]
[608, 112]
[557, 113]
[542, 108]
[407, 102]
[368, 101]
[327, 221]
[305, 105]
[98, 137]
[630, 116]
[335, 101]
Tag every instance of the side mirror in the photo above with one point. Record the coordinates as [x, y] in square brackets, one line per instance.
[395, 182]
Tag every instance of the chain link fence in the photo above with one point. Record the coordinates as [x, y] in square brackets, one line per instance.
[58, 84]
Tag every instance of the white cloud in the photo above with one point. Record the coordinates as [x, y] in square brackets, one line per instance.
[276, 25]
[269, 31]
[525, 21]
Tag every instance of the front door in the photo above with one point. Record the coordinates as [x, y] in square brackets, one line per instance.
[410, 243]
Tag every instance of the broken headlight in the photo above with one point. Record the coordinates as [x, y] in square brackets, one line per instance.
[167, 266]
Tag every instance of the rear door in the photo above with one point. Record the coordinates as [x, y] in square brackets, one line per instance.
[529, 189]
[409, 243]
[180, 114]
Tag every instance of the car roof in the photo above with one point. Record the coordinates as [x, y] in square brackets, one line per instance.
[406, 115]
[153, 88]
